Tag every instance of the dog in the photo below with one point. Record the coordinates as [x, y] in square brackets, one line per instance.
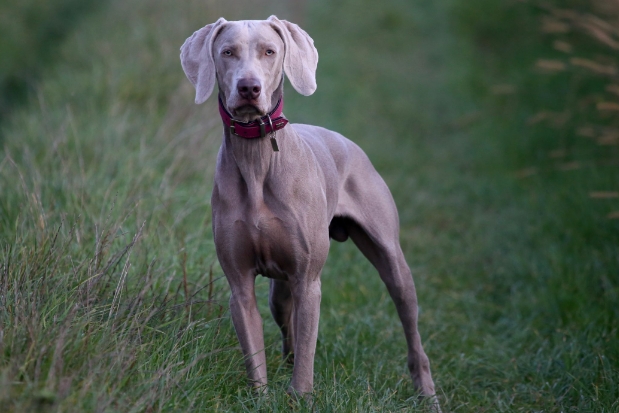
[282, 191]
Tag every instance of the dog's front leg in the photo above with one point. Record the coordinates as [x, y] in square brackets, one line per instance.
[248, 325]
[306, 295]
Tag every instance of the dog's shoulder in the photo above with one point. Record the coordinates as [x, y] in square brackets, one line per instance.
[331, 147]
[319, 138]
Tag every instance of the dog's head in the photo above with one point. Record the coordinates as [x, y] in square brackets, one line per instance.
[248, 59]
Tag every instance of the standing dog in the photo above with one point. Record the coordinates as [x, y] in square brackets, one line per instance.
[281, 191]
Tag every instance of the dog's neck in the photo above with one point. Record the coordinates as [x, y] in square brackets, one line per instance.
[255, 158]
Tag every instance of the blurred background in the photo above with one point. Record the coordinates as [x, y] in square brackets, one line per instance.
[494, 123]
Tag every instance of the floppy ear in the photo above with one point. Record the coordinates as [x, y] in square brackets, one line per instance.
[301, 57]
[197, 59]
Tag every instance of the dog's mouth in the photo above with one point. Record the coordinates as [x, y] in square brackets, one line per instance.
[247, 113]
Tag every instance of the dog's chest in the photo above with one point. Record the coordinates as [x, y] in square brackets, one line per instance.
[269, 221]
[269, 237]
[271, 242]
[274, 251]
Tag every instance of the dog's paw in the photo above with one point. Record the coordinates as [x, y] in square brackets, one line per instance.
[297, 399]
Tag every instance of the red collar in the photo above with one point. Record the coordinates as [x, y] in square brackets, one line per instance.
[258, 128]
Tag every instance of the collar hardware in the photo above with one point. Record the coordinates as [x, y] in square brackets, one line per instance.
[259, 128]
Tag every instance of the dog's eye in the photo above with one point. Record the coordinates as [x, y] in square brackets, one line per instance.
[227, 52]
[269, 52]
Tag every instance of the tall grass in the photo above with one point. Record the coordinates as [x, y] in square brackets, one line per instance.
[586, 41]
[30, 31]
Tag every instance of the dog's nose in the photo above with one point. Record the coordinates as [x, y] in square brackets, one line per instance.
[249, 88]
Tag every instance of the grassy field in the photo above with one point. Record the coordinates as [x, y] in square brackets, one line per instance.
[30, 32]
[111, 298]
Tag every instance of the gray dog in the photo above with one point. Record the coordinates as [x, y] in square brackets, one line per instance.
[282, 190]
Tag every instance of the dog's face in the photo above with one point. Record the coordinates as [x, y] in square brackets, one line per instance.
[249, 62]
[247, 59]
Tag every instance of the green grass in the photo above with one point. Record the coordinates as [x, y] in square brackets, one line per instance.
[111, 297]
[30, 32]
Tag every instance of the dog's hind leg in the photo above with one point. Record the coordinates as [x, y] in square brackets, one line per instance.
[385, 254]
[281, 304]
